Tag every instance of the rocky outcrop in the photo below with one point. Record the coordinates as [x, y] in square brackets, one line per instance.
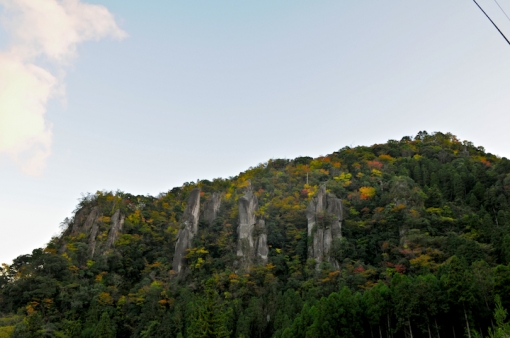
[189, 228]
[325, 215]
[117, 223]
[261, 248]
[90, 222]
[85, 219]
[212, 207]
[252, 245]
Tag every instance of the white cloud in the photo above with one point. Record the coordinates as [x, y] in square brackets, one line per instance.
[41, 30]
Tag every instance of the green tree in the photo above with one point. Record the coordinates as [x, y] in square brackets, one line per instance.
[502, 329]
[459, 285]
[105, 328]
[209, 317]
[376, 307]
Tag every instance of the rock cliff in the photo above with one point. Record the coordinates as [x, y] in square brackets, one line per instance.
[89, 221]
[117, 223]
[189, 229]
[252, 245]
[324, 214]
[262, 249]
[212, 207]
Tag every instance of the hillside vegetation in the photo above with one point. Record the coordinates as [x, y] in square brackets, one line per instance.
[424, 251]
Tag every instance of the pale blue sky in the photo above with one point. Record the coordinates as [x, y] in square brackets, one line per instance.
[204, 89]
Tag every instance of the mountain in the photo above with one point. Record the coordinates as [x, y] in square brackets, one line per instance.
[409, 238]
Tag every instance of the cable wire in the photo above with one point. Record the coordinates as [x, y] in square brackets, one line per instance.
[500, 32]
[497, 3]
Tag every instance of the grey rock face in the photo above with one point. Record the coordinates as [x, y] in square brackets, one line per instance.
[89, 222]
[88, 225]
[212, 207]
[79, 218]
[251, 246]
[188, 230]
[117, 221]
[325, 215]
[262, 249]
[248, 204]
[84, 219]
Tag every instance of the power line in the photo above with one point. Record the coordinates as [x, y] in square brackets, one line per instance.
[497, 3]
[500, 32]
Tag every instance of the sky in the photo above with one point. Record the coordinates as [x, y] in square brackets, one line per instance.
[144, 96]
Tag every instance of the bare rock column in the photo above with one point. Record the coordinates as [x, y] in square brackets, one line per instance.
[252, 245]
[262, 249]
[117, 221]
[188, 230]
[212, 207]
[91, 227]
[325, 215]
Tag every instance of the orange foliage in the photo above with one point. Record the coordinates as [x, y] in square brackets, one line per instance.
[367, 192]
[375, 164]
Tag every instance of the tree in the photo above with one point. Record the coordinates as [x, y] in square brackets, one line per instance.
[105, 328]
[502, 329]
[376, 306]
[339, 316]
[209, 317]
[460, 287]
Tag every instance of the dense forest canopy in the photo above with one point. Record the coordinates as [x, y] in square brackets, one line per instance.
[424, 251]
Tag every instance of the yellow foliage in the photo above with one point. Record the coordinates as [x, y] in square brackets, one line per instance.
[376, 172]
[324, 171]
[71, 247]
[99, 277]
[66, 256]
[415, 213]
[106, 219]
[360, 175]
[270, 266]
[105, 298]
[386, 158]
[367, 192]
[196, 257]
[73, 268]
[243, 183]
[344, 178]
[135, 217]
[423, 260]
[121, 301]
[398, 207]
[156, 284]
[30, 308]
[6, 331]
[50, 250]
[315, 164]
[438, 211]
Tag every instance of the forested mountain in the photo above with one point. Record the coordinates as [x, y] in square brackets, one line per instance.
[409, 238]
